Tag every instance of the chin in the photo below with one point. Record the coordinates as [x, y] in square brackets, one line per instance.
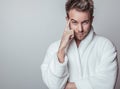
[79, 38]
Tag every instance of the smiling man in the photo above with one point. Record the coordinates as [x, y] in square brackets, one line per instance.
[81, 59]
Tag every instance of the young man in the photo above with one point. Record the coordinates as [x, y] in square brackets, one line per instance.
[81, 59]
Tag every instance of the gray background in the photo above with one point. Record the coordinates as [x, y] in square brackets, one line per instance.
[28, 27]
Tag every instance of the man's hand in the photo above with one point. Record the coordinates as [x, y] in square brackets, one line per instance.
[68, 35]
[70, 85]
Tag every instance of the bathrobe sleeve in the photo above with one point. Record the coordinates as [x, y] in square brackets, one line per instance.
[54, 74]
[106, 71]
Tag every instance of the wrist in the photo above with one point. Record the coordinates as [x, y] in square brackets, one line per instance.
[61, 55]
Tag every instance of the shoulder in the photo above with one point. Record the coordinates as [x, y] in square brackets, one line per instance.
[53, 47]
[103, 42]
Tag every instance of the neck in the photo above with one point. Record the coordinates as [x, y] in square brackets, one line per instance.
[77, 42]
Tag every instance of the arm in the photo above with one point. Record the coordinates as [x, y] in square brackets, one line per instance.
[105, 76]
[54, 68]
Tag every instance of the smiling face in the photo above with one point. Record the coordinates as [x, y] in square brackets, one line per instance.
[81, 23]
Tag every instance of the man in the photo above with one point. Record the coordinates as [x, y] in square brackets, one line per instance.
[81, 59]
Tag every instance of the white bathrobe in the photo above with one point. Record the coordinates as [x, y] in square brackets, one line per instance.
[90, 66]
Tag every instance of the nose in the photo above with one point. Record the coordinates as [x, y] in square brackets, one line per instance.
[80, 28]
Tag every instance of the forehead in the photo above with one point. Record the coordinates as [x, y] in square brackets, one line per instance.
[79, 15]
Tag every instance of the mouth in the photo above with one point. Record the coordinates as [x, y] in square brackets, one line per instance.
[80, 34]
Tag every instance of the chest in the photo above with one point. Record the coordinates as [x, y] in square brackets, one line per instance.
[84, 63]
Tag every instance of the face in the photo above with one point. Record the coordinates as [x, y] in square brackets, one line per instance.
[80, 22]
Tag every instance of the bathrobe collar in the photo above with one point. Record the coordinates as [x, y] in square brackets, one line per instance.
[83, 44]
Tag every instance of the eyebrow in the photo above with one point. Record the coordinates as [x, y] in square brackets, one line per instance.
[74, 20]
[86, 21]
[82, 21]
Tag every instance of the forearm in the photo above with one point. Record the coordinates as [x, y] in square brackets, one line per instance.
[61, 55]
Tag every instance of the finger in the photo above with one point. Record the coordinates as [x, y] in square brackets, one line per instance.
[68, 22]
[72, 36]
[72, 31]
[68, 25]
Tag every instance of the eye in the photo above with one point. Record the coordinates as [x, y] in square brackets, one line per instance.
[85, 22]
[74, 22]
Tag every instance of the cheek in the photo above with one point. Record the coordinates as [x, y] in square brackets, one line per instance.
[87, 27]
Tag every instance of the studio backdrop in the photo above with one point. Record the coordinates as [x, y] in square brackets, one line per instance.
[28, 27]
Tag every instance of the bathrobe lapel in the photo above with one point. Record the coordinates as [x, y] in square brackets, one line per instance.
[75, 54]
[74, 62]
[85, 43]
